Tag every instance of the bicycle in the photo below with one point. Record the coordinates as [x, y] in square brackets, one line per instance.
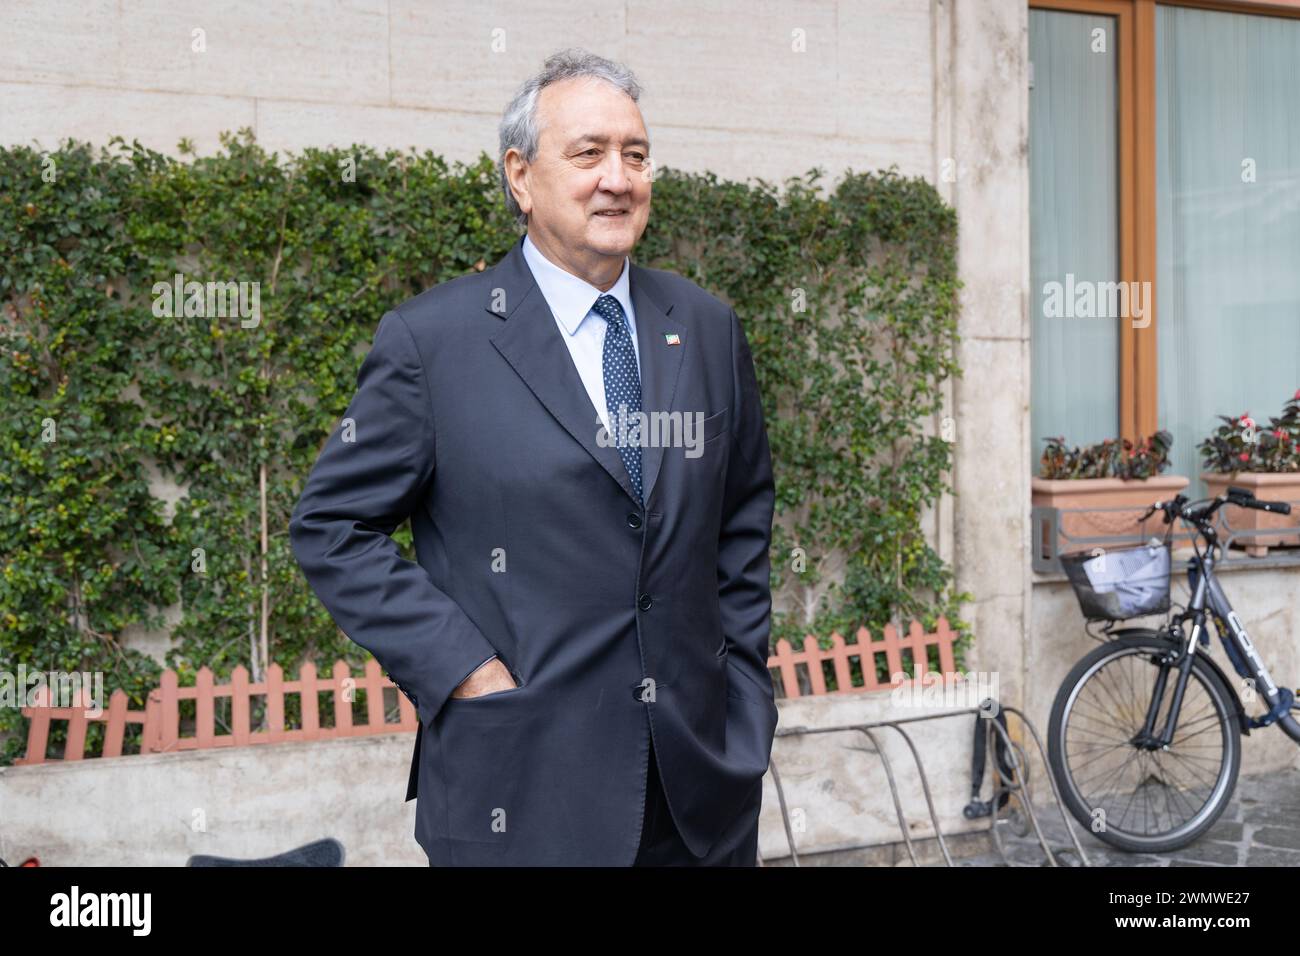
[1118, 743]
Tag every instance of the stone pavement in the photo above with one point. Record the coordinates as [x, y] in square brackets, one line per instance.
[1260, 827]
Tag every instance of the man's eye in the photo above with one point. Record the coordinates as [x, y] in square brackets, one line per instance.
[637, 157]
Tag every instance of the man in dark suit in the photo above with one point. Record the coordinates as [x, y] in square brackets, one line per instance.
[579, 444]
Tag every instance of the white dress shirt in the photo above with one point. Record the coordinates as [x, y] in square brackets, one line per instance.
[583, 331]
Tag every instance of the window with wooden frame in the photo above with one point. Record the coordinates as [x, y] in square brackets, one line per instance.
[1164, 217]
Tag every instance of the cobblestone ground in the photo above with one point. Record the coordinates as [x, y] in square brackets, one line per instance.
[1260, 827]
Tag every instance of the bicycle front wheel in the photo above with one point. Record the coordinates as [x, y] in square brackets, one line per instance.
[1134, 798]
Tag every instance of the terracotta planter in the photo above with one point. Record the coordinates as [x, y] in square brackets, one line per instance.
[1133, 495]
[1267, 486]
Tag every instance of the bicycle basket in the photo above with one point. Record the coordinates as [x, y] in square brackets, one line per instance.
[1119, 584]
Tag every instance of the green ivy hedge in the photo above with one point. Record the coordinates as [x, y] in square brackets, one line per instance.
[849, 301]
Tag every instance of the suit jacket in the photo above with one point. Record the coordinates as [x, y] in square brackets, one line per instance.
[623, 625]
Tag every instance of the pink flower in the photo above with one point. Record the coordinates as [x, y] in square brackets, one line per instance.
[1279, 433]
[1246, 421]
[1296, 396]
[1244, 456]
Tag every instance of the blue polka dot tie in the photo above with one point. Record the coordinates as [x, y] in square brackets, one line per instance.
[622, 384]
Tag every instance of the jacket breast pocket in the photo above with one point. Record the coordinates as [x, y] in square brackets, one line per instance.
[714, 426]
[704, 451]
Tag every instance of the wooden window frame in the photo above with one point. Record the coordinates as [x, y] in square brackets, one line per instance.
[1135, 45]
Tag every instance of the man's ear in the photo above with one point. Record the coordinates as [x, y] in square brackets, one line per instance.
[517, 177]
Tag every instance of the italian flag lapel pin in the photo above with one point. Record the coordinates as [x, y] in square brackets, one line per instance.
[672, 338]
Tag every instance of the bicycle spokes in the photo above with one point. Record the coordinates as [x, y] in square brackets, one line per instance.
[1129, 782]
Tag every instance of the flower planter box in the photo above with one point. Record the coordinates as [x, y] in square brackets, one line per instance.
[1267, 486]
[1133, 495]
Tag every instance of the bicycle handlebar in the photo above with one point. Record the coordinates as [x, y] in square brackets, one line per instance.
[1171, 508]
[1245, 498]
[1235, 495]
[1277, 507]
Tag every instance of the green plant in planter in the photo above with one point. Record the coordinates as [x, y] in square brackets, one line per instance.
[1239, 444]
[1112, 458]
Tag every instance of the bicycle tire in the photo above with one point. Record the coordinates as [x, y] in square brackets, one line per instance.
[1222, 699]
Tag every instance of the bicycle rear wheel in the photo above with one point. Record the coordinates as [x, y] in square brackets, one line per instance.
[1133, 798]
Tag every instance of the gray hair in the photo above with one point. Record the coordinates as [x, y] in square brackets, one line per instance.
[519, 128]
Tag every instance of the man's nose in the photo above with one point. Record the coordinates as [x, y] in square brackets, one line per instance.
[613, 177]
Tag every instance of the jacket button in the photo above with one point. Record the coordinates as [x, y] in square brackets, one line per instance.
[644, 603]
[634, 520]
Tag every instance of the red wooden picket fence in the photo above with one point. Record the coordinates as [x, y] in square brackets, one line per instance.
[800, 674]
[811, 660]
[162, 714]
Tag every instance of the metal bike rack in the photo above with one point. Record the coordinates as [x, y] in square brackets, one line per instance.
[1016, 784]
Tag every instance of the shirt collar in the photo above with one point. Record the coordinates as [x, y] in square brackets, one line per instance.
[569, 297]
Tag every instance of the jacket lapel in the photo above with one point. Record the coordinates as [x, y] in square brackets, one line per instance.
[660, 362]
[530, 341]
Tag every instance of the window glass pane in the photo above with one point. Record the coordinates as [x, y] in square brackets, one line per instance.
[1074, 227]
[1228, 233]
